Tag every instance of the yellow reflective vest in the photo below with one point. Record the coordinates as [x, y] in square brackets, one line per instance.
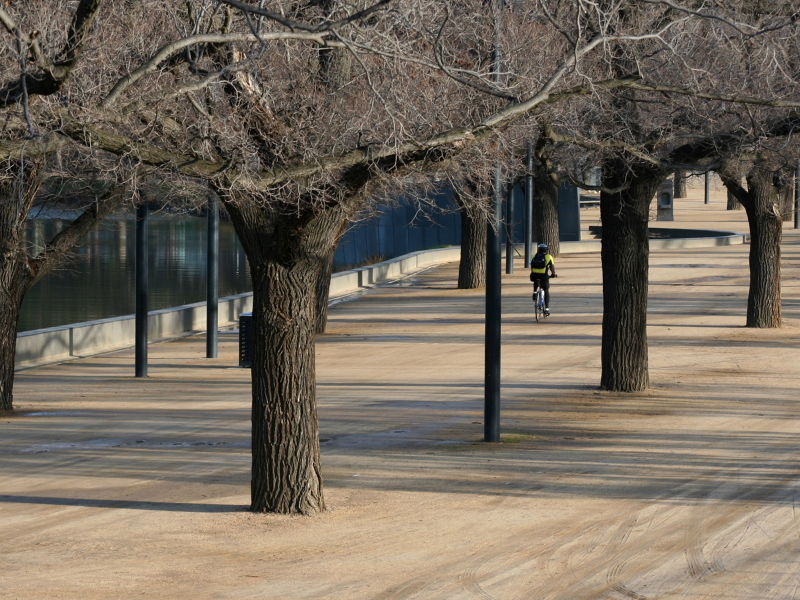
[548, 260]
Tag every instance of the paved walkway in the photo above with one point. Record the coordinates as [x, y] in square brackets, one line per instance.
[113, 487]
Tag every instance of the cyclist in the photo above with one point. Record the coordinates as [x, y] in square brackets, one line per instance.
[542, 269]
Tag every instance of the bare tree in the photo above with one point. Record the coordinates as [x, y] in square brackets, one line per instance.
[646, 130]
[250, 100]
[761, 198]
[293, 161]
[38, 58]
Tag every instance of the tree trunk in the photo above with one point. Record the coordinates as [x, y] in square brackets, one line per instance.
[323, 292]
[624, 256]
[733, 203]
[10, 302]
[545, 211]
[763, 216]
[324, 283]
[18, 187]
[680, 183]
[287, 474]
[761, 201]
[472, 198]
[472, 267]
[786, 195]
[288, 253]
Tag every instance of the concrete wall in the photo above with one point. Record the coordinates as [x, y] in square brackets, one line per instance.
[93, 337]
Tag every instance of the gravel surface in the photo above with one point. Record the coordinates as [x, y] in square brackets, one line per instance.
[113, 487]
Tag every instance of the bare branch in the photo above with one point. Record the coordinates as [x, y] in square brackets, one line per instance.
[66, 240]
[56, 72]
[685, 91]
[739, 27]
[32, 42]
[206, 38]
[297, 25]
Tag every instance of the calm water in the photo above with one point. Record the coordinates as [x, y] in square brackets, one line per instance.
[99, 281]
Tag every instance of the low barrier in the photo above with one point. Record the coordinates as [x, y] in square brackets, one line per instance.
[104, 335]
[671, 238]
[55, 344]
[348, 282]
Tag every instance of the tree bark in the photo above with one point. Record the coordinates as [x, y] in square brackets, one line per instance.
[733, 203]
[472, 267]
[761, 201]
[764, 297]
[288, 252]
[625, 258]
[545, 211]
[473, 203]
[786, 195]
[324, 283]
[11, 294]
[680, 183]
[287, 471]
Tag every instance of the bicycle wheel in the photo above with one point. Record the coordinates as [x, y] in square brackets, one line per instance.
[537, 306]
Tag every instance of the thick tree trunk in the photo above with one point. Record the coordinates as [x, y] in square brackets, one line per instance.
[288, 254]
[287, 473]
[733, 203]
[761, 201]
[545, 212]
[763, 216]
[472, 198]
[472, 267]
[680, 183]
[625, 255]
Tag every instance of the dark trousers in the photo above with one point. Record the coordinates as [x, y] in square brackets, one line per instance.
[544, 281]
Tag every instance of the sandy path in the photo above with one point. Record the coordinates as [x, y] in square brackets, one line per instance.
[116, 488]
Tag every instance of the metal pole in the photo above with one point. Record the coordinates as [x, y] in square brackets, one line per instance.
[141, 290]
[491, 424]
[708, 186]
[212, 278]
[491, 411]
[510, 228]
[529, 206]
[797, 196]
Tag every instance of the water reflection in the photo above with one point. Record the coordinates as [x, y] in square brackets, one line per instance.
[99, 281]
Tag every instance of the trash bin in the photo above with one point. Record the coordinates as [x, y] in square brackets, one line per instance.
[665, 202]
[246, 340]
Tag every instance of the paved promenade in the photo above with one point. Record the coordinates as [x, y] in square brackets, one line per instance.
[112, 487]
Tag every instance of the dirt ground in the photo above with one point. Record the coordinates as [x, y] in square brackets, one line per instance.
[112, 487]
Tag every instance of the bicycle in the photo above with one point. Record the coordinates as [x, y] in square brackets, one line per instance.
[538, 304]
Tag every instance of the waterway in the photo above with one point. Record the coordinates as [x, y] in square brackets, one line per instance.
[99, 280]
